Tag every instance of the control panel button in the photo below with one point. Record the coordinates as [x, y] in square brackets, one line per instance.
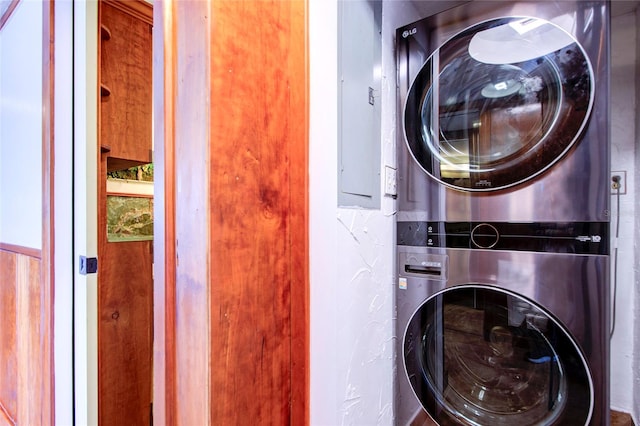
[485, 236]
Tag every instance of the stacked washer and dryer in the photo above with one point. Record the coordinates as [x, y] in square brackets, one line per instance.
[503, 225]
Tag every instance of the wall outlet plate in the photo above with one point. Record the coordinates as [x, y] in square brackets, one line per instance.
[623, 182]
[390, 181]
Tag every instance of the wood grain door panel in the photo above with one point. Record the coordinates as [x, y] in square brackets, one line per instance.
[24, 384]
[254, 154]
[125, 319]
[125, 276]
[8, 350]
[233, 310]
[124, 333]
[125, 75]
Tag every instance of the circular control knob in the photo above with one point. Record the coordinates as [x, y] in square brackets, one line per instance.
[485, 236]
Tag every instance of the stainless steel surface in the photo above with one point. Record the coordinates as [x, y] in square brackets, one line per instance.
[575, 188]
[620, 7]
[572, 288]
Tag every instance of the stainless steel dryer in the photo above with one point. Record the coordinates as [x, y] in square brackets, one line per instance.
[512, 335]
[503, 226]
[504, 113]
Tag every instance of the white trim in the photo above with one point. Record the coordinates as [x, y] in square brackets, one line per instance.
[85, 195]
[63, 214]
[129, 187]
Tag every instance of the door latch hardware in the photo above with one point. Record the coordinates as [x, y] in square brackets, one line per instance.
[88, 265]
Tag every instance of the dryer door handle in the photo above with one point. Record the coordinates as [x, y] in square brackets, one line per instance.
[424, 269]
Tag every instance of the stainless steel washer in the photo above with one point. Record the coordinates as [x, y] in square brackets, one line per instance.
[515, 334]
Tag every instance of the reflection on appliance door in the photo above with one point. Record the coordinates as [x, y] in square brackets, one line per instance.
[479, 355]
[498, 104]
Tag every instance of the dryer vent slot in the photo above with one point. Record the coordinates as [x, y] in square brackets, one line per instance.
[424, 270]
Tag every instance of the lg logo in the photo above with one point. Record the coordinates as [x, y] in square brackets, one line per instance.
[407, 33]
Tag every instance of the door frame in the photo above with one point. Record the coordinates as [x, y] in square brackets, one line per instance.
[178, 372]
[85, 208]
[62, 200]
[85, 212]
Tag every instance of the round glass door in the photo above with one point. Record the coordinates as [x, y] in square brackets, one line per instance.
[482, 356]
[498, 103]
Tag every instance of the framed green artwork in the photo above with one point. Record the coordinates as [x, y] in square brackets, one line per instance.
[129, 212]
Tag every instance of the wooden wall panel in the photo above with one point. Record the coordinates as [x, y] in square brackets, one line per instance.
[124, 333]
[234, 285]
[125, 276]
[192, 211]
[46, 279]
[125, 314]
[125, 65]
[30, 332]
[8, 360]
[164, 389]
[258, 139]
[298, 147]
[25, 385]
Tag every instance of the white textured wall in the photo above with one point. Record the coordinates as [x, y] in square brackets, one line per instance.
[351, 262]
[352, 251]
[636, 192]
[21, 127]
[623, 140]
[351, 268]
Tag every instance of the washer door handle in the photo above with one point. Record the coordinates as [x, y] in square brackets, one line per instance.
[426, 268]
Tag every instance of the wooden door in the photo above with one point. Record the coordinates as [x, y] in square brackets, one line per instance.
[125, 312]
[231, 277]
[125, 276]
[125, 78]
[26, 272]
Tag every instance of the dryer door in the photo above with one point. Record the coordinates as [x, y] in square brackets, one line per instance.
[498, 103]
[483, 356]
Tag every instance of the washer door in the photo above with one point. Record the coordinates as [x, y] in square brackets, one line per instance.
[482, 356]
[498, 103]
